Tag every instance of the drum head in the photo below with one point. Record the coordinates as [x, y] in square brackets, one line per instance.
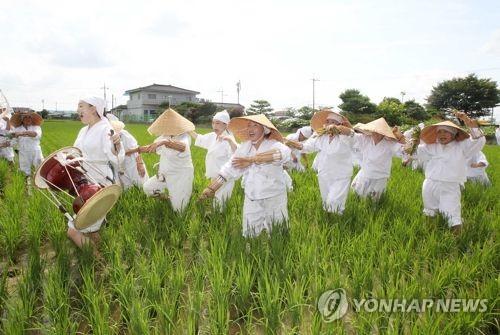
[97, 206]
[50, 161]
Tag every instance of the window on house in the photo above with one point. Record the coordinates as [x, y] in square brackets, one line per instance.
[138, 96]
[152, 96]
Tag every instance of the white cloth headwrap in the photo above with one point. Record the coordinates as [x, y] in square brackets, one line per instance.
[449, 129]
[421, 125]
[98, 103]
[306, 131]
[333, 116]
[222, 116]
[267, 131]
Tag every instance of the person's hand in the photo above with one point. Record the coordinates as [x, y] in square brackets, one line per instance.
[141, 169]
[344, 130]
[294, 158]
[465, 119]
[6, 119]
[242, 162]
[151, 148]
[207, 193]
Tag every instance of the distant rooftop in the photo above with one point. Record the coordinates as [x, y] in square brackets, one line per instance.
[162, 88]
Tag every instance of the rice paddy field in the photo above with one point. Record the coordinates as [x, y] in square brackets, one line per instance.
[193, 273]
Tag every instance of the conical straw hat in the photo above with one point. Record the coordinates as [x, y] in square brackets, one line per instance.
[319, 118]
[378, 126]
[170, 123]
[238, 126]
[117, 125]
[17, 119]
[429, 133]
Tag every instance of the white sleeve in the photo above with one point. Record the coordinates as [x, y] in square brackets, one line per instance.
[286, 153]
[202, 140]
[228, 171]
[38, 131]
[310, 145]
[472, 146]
[423, 152]
[107, 147]
[481, 158]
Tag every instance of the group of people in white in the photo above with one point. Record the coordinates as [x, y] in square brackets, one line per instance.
[447, 153]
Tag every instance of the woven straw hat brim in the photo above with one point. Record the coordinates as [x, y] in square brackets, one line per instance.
[378, 126]
[319, 119]
[117, 126]
[238, 126]
[429, 133]
[17, 119]
[170, 123]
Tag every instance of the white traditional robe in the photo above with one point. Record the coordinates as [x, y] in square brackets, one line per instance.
[497, 135]
[96, 146]
[30, 152]
[264, 185]
[478, 174]
[175, 173]
[334, 166]
[127, 168]
[7, 152]
[445, 171]
[297, 165]
[371, 179]
[219, 152]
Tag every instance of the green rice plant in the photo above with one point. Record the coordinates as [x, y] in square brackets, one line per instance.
[270, 297]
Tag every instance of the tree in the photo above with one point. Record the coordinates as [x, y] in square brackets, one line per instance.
[354, 102]
[305, 113]
[44, 113]
[472, 95]
[260, 107]
[392, 110]
[415, 111]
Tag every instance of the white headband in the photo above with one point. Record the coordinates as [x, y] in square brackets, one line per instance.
[306, 131]
[449, 129]
[98, 103]
[222, 116]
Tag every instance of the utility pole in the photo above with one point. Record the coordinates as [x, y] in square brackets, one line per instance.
[238, 89]
[221, 95]
[112, 101]
[314, 80]
[104, 88]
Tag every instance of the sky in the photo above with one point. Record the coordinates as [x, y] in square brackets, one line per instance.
[59, 51]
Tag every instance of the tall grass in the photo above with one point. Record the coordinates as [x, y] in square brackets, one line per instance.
[193, 273]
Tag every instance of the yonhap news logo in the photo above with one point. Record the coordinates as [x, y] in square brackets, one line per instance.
[333, 305]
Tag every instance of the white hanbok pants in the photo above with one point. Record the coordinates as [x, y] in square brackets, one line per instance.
[179, 186]
[30, 158]
[334, 192]
[260, 215]
[7, 153]
[369, 187]
[223, 194]
[444, 197]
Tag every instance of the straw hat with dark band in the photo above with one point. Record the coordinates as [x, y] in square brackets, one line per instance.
[170, 123]
[319, 118]
[429, 133]
[17, 119]
[378, 126]
[238, 126]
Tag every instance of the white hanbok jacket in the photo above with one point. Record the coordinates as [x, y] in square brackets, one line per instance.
[96, 147]
[261, 181]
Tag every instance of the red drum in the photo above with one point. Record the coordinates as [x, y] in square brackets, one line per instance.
[63, 171]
